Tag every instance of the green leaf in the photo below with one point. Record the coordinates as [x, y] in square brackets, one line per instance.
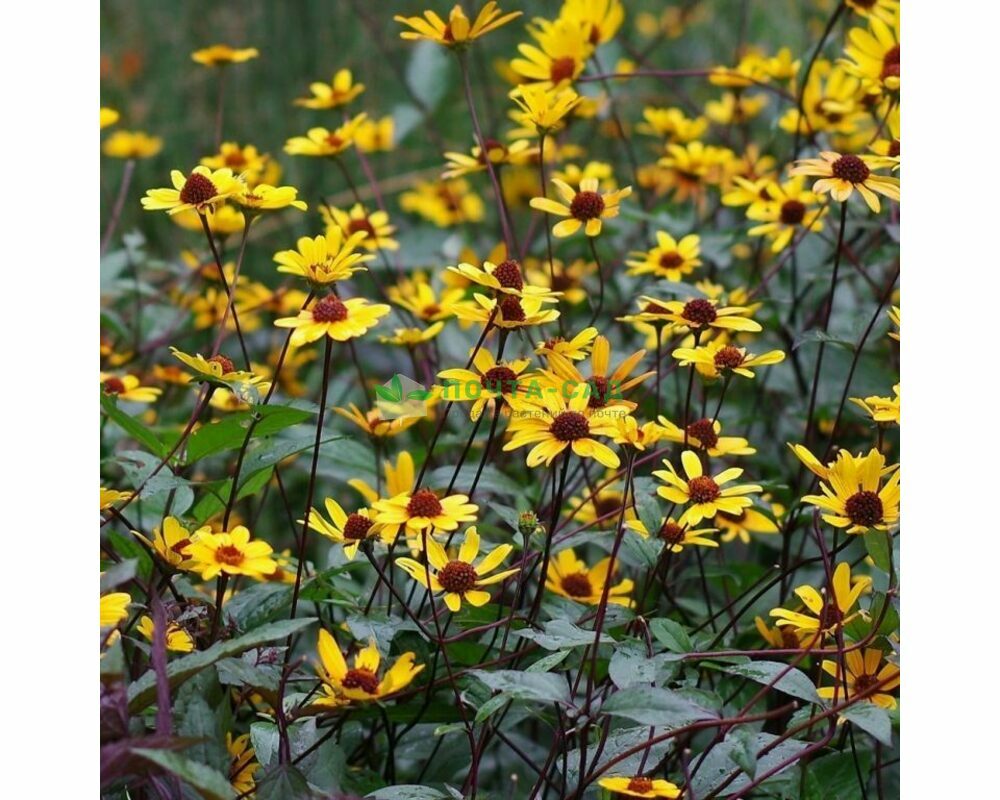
[877, 543]
[871, 719]
[132, 426]
[386, 393]
[833, 776]
[128, 548]
[429, 72]
[719, 764]
[284, 782]
[120, 573]
[230, 433]
[653, 706]
[546, 663]
[210, 783]
[743, 752]
[258, 603]
[407, 792]
[792, 681]
[561, 633]
[265, 740]
[671, 635]
[630, 665]
[490, 707]
[142, 692]
[538, 686]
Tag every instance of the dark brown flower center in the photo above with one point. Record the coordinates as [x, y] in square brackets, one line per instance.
[197, 189]
[728, 357]
[890, 63]
[671, 532]
[792, 212]
[561, 282]
[864, 683]
[114, 386]
[569, 426]
[225, 363]
[577, 585]
[703, 489]
[508, 273]
[178, 547]
[499, 379]
[699, 312]
[363, 679]
[789, 639]
[229, 554]
[235, 159]
[894, 148]
[511, 310]
[550, 344]
[424, 503]
[599, 394]
[640, 784]
[671, 260]
[334, 141]
[356, 527]
[358, 225]
[864, 508]
[654, 308]
[605, 506]
[830, 616]
[561, 69]
[704, 431]
[586, 206]
[329, 309]
[457, 577]
[851, 169]
[492, 146]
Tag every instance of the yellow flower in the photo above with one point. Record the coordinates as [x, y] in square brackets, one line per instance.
[126, 387]
[883, 410]
[242, 765]
[444, 203]
[688, 168]
[420, 510]
[781, 638]
[873, 55]
[178, 639]
[215, 369]
[323, 260]
[893, 314]
[461, 578]
[114, 608]
[670, 259]
[553, 423]
[601, 18]
[169, 542]
[458, 30]
[361, 682]
[542, 108]
[586, 207]
[704, 492]
[638, 436]
[231, 553]
[110, 497]
[108, 117]
[562, 51]
[789, 209]
[252, 165]
[490, 382]
[717, 358]
[346, 529]
[826, 614]
[604, 387]
[676, 535]
[831, 102]
[132, 144]
[639, 786]
[417, 296]
[570, 577]
[519, 152]
[505, 278]
[514, 312]
[602, 509]
[221, 54]
[411, 337]
[264, 197]
[853, 495]
[340, 91]
[225, 221]
[671, 123]
[864, 680]
[371, 422]
[375, 135]
[567, 279]
[374, 227]
[749, 520]
[574, 349]
[322, 142]
[700, 314]
[732, 109]
[398, 479]
[330, 316]
[840, 175]
[705, 434]
[203, 190]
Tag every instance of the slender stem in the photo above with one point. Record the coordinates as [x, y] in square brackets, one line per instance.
[220, 106]
[116, 211]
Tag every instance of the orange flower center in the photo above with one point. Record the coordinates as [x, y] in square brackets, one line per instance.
[703, 489]
[197, 189]
[890, 63]
[640, 785]
[728, 357]
[586, 206]
[792, 212]
[424, 503]
[229, 554]
[356, 527]
[363, 679]
[671, 532]
[561, 69]
[704, 431]
[499, 379]
[569, 426]
[511, 310]
[356, 225]
[671, 260]
[222, 361]
[508, 273]
[699, 312]
[114, 386]
[851, 169]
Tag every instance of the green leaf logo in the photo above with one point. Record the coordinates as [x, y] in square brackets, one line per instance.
[418, 394]
[386, 393]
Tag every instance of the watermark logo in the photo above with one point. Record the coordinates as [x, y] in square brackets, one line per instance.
[401, 398]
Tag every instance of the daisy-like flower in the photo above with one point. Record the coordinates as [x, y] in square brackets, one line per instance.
[893, 314]
[323, 260]
[497, 153]
[827, 612]
[705, 434]
[372, 422]
[552, 423]
[718, 358]
[854, 496]
[601, 509]
[178, 639]
[420, 510]
[346, 529]
[542, 109]
[111, 497]
[567, 279]
[491, 382]
[635, 435]
[885, 10]
[604, 387]
[375, 227]
[602, 18]
[675, 535]
[417, 296]
[219, 55]
[375, 135]
[132, 144]
[510, 312]
[231, 553]
[866, 679]
[444, 203]
[733, 109]
[114, 608]
[670, 259]
[639, 786]
[462, 578]
[559, 57]
[873, 55]
[216, 369]
[242, 763]
[789, 209]
[779, 637]
[704, 492]
[570, 577]
[840, 175]
[245, 160]
[575, 348]
[361, 682]
[411, 337]
[128, 387]
[584, 208]
[398, 479]
[224, 221]
[203, 190]
[672, 124]
[264, 197]
[340, 91]
[339, 319]
[322, 142]
[701, 313]
[458, 30]
[883, 410]
[687, 169]
[169, 540]
[505, 278]
[748, 521]
[108, 117]
[831, 102]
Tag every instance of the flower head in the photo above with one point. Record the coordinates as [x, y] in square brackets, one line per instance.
[718, 358]
[324, 259]
[840, 175]
[421, 510]
[542, 109]
[374, 227]
[219, 55]
[639, 786]
[854, 496]
[132, 144]
[340, 91]
[330, 316]
[865, 678]
[704, 493]
[584, 208]
[674, 535]
[570, 577]
[350, 530]
[322, 142]
[230, 553]
[203, 190]
[458, 30]
[361, 682]
[828, 610]
[128, 387]
[169, 541]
